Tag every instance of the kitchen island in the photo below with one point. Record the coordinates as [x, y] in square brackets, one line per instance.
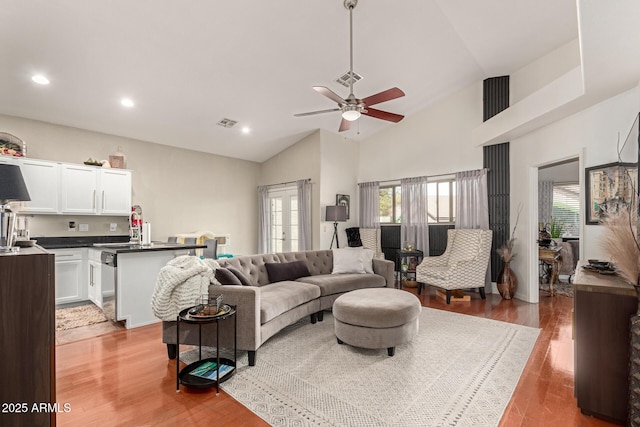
[115, 275]
[131, 271]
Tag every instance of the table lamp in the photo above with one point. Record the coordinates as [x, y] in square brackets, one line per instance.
[335, 214]
[12, 188]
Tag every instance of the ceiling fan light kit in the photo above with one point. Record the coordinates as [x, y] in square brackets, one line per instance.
[351, 107]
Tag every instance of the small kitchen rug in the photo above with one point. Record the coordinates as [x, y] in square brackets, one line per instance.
[75, 317]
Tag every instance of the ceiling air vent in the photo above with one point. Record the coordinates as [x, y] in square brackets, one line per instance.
[227, 123]
[345, 79]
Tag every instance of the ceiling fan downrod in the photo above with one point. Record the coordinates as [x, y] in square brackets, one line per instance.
[350, 5]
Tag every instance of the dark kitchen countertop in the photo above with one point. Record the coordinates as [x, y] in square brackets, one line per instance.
[99, 242]
[154, 246]
[77, 242]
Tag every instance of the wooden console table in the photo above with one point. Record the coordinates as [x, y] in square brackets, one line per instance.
[551, 256]
[603, 306]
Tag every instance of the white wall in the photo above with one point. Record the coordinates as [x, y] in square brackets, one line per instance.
[331, 162]
[299, 161]
[544, 70]
[561, 173]
[434, 141]
[592, 135]
[339, 172]
[179, 190]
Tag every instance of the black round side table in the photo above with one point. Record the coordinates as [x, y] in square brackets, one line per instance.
[205, 373]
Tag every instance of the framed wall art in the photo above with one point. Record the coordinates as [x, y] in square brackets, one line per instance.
[343, 200]
[607, 187]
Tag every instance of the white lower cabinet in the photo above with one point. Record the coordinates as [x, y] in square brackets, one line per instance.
[71, 283]
[94, 288]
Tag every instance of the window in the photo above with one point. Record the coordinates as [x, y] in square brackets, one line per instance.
[566, 208]
[390, 210]
[441, 202]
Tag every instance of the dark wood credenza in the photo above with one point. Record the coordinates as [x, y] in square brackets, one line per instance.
[27, 338]
[603, 306]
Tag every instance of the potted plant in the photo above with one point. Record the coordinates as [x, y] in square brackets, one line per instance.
[555, 229]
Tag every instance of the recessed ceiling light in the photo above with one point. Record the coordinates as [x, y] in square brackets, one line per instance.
[127, 102]
[40, 79]
[246, 129]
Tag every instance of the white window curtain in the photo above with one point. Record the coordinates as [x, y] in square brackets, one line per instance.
[304, 214]
[545, 201]
[472, 204]
[264, 226]
[369, 207]
[472, 200]
[414, 225]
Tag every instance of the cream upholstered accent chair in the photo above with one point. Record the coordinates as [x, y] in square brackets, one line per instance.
[463, 265]
[370, 238]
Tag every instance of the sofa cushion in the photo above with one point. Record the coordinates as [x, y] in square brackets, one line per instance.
[280, 297]
[226, 277]
[240, 275]
[347, 260]
[280, 271]
[331, 284]
[352, 260]
[318, 262]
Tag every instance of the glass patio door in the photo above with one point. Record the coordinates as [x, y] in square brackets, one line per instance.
[283, 207]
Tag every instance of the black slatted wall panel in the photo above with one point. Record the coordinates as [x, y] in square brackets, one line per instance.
[496, 159]
[495, 96]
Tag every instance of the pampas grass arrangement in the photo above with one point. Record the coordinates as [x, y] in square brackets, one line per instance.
[621, 242]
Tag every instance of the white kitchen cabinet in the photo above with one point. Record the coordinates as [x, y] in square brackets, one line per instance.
[41, 178]
[115, 192]
[71, 283]
[78, 189]
[89, 190]
[94, 288]
[7, 159]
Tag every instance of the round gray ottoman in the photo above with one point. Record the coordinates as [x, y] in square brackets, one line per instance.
[376, 318]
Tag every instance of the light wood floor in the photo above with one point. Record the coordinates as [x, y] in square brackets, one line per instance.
[123, 378]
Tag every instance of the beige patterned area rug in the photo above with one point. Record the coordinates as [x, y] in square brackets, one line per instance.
[460, 370]
[75, 317]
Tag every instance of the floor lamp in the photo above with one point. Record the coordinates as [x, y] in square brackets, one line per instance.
[12, 189]
[336, 214]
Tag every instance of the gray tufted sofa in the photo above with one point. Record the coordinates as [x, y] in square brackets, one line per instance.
[266, 308]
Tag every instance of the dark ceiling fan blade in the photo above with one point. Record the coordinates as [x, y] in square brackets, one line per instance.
[344, 125]
[329, 94]
[384, 115]
[387, 95]
[312, 113]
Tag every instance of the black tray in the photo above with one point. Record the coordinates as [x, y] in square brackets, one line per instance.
[199, 382]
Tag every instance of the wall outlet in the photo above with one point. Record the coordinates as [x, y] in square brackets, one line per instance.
[84, 227]
[71, 226]
[113, 226]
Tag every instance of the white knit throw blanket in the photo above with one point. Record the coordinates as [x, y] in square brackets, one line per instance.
[180, 283]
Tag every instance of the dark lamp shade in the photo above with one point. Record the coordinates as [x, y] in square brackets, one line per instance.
[12, 186]
[336, 213]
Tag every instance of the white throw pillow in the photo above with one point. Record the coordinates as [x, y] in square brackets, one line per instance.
[353, 260]
[367, 260]
[347, 260]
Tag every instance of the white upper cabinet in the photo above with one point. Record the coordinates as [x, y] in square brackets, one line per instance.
[41, 179]
[61, 188]
[115, 191]
[7, 159]
[78, 189]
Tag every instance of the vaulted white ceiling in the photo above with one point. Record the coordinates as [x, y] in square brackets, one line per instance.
[188, 64]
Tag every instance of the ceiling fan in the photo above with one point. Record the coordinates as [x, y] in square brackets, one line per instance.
[352, 108]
